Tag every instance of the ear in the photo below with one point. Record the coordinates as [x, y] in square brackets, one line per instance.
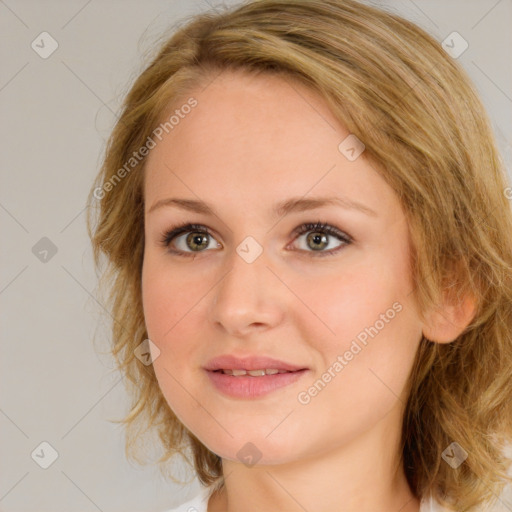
[449, 320]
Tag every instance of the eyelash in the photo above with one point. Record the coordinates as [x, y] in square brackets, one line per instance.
[169, 235]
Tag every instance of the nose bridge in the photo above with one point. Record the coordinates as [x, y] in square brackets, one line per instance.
[245, 296]
[247, 269]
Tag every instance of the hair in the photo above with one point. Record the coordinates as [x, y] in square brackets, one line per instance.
[427, 133]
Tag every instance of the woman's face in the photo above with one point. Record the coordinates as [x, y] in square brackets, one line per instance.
[339, 313]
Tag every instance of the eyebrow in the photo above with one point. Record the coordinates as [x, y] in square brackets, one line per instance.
[294, 204]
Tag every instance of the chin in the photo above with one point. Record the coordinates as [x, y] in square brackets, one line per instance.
[254, 449]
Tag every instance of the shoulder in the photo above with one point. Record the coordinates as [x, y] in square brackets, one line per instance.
[199, 503]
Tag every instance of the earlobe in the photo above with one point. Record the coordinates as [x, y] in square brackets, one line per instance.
[447, 322]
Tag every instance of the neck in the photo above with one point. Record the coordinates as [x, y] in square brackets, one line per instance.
[360, 476]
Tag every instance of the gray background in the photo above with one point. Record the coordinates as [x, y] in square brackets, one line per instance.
[57, 383]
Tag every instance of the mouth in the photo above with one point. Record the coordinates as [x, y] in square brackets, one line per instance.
[255, 366]
[251, 377]
[252, 373]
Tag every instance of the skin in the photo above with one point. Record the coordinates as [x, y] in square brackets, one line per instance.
[250, 143]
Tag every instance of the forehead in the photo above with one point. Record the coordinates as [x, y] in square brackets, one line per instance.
[265, 137]
[275, 109]
[262, 116]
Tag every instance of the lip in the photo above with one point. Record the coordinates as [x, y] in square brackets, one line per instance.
[230, 362]
[246, 386]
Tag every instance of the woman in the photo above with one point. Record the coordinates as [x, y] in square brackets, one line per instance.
[308, 235]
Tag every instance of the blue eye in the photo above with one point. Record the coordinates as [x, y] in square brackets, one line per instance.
[200, 237]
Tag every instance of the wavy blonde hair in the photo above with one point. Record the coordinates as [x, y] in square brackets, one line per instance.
[426, 131]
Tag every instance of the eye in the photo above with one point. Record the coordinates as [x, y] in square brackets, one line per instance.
[198, 238]
[318, 237]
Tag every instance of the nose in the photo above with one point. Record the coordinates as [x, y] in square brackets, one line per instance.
[248, 298]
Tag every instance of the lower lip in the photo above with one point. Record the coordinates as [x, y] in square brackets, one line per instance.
[252, 387]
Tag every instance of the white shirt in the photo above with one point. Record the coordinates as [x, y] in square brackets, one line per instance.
[199, 503]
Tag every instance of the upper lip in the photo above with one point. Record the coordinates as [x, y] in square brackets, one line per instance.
[229, 362]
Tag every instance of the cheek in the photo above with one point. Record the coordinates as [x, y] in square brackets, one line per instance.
[344, 304]
[367, 317]
[170, 318]
[173, 304]
[376, 333]
[167, 298]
